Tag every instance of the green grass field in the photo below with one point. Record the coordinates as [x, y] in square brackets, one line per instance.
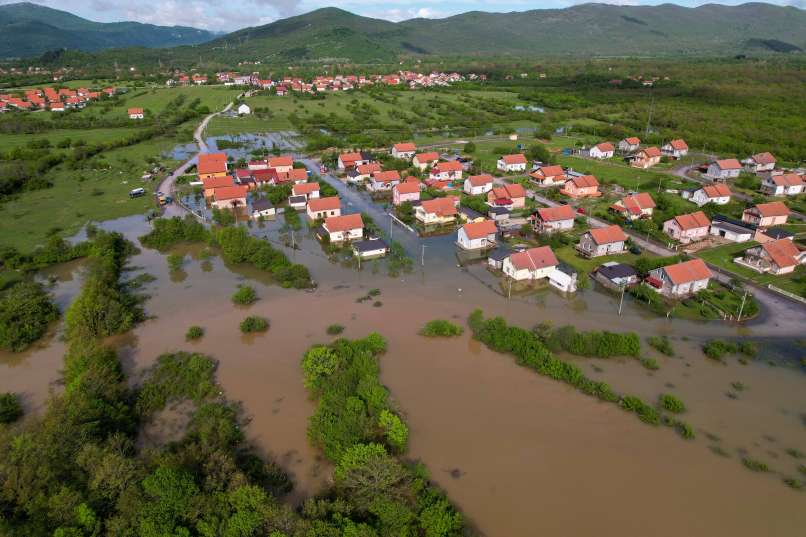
[11, 141]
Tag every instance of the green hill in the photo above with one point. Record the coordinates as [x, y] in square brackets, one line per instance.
[29, 30]
[587, 29]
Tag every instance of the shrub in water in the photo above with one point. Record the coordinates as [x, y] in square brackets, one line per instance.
[194, 332]
[175, 262]
[244, 296]
[671, 403]
[716, 349]
[335, 329]
[756, 466]
[441, 328]
[661, 344]
[254, 324]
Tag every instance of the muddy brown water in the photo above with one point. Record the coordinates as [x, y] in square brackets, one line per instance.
[520, 454]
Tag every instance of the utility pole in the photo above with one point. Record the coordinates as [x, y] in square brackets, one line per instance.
[422, 255]
[509, 293]
[621, 301]
[391, 225]
[741, 308]
[649, 119]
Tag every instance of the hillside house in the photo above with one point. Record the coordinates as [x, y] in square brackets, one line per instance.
[646, 158]
[348, 227]
[212, 165]
[596, 242]
[681, 279]
[718, 194]
[281, 164]
[762, 162]
[134, 113]
[404, 151]
[407, 191]
[351, 160]
[478, 184]
[764, 215]
[675, 149]
[383, 181]
[422, 161]
[437, 211]
[785, 184]
[548, 175]
[359, 174]
[530, 265]
[511, 196]
[687, 228]
[553, 219]
[319, 208]
[446, 171]
[477, 236]
[775, 257]
[581, 186]
[230, 197]
[512, 163]
[722, 170]
[635, 206]
[308, 190]
[602, 151]
[629, 145]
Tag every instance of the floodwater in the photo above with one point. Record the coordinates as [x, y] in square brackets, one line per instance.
[520, 454]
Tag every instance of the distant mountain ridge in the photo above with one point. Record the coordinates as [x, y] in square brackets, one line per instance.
[28, 29]
[585, 29]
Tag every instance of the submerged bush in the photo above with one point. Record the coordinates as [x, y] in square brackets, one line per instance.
[716, 349]
[175, 262]
[599, 344]
[755, 465]
[10, 408]
[244, 296]
[194, 332]
[26, 311]
[254, 324]
[661, 344]
[441, 328]
[335, 329]
[671, 403]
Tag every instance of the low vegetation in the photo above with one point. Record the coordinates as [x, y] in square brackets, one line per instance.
[254, 324]
[244, 296]
[26, 311]
[194, 333]
[671, 403]
[441, 328]
[716, 349]
[755, 465]
[334, 329]
[10, 408]
[595, 343]
[175, 262]
[661, 344]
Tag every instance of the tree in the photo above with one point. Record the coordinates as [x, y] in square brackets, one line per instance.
[366, 472]
[26, 310]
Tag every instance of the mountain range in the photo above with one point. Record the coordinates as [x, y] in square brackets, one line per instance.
[332, 34]
[28, 29]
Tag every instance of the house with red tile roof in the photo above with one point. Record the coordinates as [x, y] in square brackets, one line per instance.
[438, 211]
[351, 160]
[404, 151]
[762, 162]
[646, 158]
[319, 208]
[602, 151]
[599, 241]
[512, 163]
[422, 161]
[722, 170]
[687, 228]
[230, 197]
[635, 206]
[717, 193]
[477, 236]
[778, 257]
[530, 265]
[446, 171]
[349, 227]
[581, 186]
[629, 145]
[383, 181]
[478, 184]
[508, 195]
[681, 279]
[785, 184]
[764, 215]
[309, 190]
[361, 173]
[136, 113]
[548, 176]
[675, 149]
[553, 219]
[281, 164]
[212, 183]
[212, 165]
[406, 191]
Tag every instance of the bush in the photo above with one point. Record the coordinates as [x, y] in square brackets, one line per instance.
[244, 296]
[441, 328]
[335, 329]
[661, 344]
[10, 408]
[748, 348]
[254, 324]
[175, 262]
[755, 465]
[716, 349]
[684, 429]
[671, 403]
[600, 344]
[194, 332]
[645, 412]
[26, 310]
[650, 363]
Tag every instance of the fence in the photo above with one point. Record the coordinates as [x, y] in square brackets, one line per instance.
[793, 296]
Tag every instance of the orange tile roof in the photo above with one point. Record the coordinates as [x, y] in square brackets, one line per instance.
[534, 258]
[350, 157]
[440, 206]
[298, 174]
[280, 161]
[764, 158]
[366, 169]
[606, 235]
[480, 180]
[637, 202]
[585, 181]
[452, 166]
[692, 221]
[510, 191]
[386, 177]
[783, 252]
[133, 111]
[217, 182]
[548, 171]
[633, 140]
[605, 147]
[787, 179]
[651, 152]
[230, 192]
[556, 214]
[304, 189]
[728, 164]
[405, 147]
[212, 163]
[717, 190]
[344, 223]
[481, 229]
[688, 271]
[427, 157]
[517, 158]
[679, 144]
[408, 187]
[324, 204]
[774, 208]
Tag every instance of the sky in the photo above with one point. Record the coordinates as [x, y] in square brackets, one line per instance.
[229, 15]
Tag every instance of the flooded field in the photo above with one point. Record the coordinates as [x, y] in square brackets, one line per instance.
[519, 453]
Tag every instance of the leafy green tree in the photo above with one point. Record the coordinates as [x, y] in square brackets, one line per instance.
[26, 310]
[366, 472]
[395, 431]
